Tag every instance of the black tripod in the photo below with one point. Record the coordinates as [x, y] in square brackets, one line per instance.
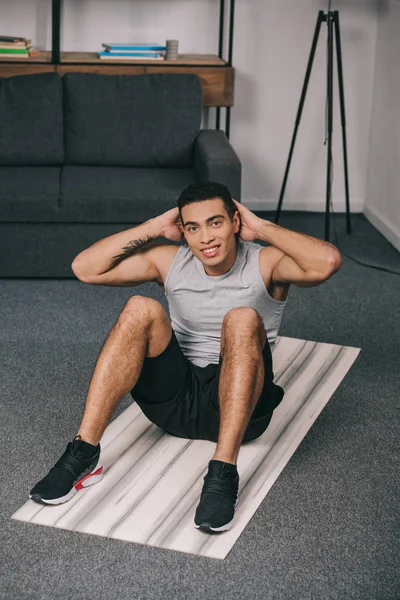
[332, 18]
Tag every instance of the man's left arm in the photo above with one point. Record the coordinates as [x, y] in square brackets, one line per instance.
[317, 259]
[304, 258]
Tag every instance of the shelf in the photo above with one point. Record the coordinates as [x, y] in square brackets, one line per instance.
[216, 75]
[183, 59]
[217, 78]
[209, 60]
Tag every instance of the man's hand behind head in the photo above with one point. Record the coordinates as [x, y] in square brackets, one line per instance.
[170, 225]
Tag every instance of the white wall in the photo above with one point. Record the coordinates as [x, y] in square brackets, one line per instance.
[271, 48]
[382, 206]
[268, 95]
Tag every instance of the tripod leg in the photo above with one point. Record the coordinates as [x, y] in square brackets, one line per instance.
[343, 116]
[330, 118]
[300, 110]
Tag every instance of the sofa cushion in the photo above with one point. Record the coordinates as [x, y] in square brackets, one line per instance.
[31, 120]
[29, 194]
[131, 120]
[119, 194]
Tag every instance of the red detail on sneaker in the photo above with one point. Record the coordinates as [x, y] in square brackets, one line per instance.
[79, 485]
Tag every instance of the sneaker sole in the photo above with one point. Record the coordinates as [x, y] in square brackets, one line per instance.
[207, 527]
[86, 481]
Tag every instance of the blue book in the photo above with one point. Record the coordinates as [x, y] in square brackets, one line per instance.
[129, 54]
[134, 47]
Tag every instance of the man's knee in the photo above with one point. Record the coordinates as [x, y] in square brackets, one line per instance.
[243, 320]
[242, 313]
[149, 317]
[243, 317]
[143, 310]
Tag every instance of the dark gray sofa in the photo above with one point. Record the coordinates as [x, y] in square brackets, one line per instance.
[83, 156]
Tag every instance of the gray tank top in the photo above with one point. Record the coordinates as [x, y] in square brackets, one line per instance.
[198, 302]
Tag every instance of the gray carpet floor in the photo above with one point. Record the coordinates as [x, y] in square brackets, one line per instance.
[326, 529]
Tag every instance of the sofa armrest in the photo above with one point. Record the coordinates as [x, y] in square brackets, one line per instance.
[216, 160]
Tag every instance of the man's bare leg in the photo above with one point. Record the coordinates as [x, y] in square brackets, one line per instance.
[241, 379]
[142, 329]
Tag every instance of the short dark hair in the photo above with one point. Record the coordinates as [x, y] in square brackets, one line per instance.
[198, 192]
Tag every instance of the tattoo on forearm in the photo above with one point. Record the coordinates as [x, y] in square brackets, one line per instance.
[128, 250]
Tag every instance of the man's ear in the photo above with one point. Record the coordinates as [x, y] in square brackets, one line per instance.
[237, 221]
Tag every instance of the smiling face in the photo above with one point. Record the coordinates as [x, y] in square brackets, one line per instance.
[206, 225]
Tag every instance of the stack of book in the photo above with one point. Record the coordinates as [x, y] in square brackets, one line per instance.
[139, 51]
[16, 47]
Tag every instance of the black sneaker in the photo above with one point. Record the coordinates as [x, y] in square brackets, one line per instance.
[77, 468]
[219, 497]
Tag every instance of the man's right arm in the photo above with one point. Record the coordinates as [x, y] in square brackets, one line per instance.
[107, 253]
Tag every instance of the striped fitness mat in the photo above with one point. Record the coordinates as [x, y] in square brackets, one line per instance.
[152, 480]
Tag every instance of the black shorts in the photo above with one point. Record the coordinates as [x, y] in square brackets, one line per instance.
[182, 398]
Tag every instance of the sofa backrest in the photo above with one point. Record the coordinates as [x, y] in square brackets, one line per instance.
[31, 120]
[149, 120]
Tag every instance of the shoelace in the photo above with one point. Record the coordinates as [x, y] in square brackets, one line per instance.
[68, 461]
[215, 485]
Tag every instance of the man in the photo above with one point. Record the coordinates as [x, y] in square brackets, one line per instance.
[205, 372]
